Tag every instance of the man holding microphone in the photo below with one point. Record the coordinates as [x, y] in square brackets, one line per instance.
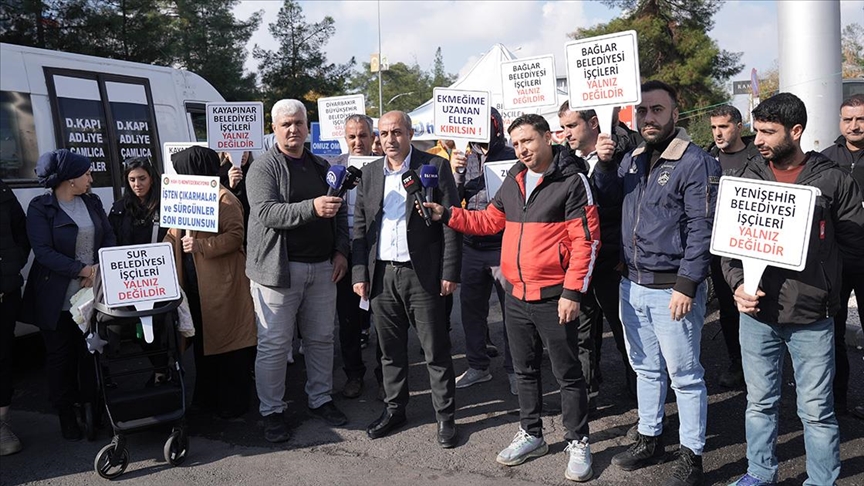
[551, 238]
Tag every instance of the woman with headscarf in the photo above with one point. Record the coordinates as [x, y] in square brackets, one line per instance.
[67, 226]
[212, 271]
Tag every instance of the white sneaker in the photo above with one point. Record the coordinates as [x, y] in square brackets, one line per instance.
[514, 387]
[579, 464]
[472, 377]
[9, 443]
[523, 447]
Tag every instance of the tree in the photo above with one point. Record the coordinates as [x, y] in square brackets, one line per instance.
[212, 43]
[852, 43]
[405, 86]
[674, 47]
[298, 68]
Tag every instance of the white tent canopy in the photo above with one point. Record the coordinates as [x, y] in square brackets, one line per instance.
[484, 75]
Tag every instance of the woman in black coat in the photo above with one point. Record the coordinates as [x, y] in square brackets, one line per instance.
[66, 226]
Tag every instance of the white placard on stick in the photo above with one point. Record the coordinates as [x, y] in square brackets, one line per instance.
[461, 115]
[495, 173]
[171, 148]
[763, 223]
[603, 71]
[333, 111]
[190, 202]
[139, 276]
[529, 83]
[235, 126]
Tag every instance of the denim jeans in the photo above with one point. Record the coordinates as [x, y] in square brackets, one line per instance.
[661, 348]
[763, 349]
[310, 303]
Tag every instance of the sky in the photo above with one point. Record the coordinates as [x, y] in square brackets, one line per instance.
[412, 30]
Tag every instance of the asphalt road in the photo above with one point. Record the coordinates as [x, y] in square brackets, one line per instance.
[234, 452]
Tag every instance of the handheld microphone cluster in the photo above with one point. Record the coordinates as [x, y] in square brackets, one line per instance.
[342, 179]
[429, 179]
[412, 185]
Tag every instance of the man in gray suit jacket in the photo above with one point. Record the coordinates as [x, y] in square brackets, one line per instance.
[405, 268]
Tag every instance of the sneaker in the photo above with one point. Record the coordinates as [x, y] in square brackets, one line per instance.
[732, 377]
[514, 387]
[579, 464]
[275, 428]
[748, 480]
[9, 443]
[645, 451]
[523, 447]
[687, 470]
[472, 377]
[330, 414]
[353, 388]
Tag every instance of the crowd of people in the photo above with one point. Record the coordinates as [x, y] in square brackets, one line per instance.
[612, 227]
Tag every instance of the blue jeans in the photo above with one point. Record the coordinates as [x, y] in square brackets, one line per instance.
[812, 350]
[660, 348]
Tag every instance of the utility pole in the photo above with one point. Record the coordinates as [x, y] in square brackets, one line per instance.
[380, 65]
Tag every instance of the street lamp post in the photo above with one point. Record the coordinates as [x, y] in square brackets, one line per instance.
[380, 58]
[399, 96]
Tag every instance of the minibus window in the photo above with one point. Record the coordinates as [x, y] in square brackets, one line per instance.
[18, 148]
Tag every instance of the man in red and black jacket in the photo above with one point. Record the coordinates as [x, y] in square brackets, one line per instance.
[551, 238]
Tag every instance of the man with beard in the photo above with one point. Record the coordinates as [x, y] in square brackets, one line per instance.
[848, 152]
[794, 310]
[668, 189]
[732, 151]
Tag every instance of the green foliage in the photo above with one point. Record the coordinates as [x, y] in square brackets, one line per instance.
[298, 68]
[674, 47]
[405, 86]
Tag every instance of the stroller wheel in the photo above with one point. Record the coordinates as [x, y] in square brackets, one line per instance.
[110, 463]
[176, 447]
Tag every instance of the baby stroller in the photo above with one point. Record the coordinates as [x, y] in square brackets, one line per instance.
[134, 403]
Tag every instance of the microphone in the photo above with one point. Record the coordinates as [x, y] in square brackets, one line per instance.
[429, 179]
[352, 178]
[412, 184]
[335, 179]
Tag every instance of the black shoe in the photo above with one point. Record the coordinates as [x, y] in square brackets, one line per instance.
[69, 424]
[330, 414]
[447, 436]
[385, 424]
[275, 428]
[732, 377]
[687, 470]
[857, 412]
[645, 451]
[353, 387]
[492, 350]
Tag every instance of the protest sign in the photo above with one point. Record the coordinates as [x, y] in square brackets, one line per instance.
[529, 83]
[235, 126]
[495, 173]
[333, 111]
[461, 115]
[139, 276]
[171, 148]
[190, 202]
[602, 73]
[763, 223]
[324, 148]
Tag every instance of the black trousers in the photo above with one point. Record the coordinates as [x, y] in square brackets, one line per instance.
[10, 302]
[402, 303]
[223, 382]
[729, 317]
[851, 281]
[70, 368]
[530, 327]
[600, 301]
[352, 321]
